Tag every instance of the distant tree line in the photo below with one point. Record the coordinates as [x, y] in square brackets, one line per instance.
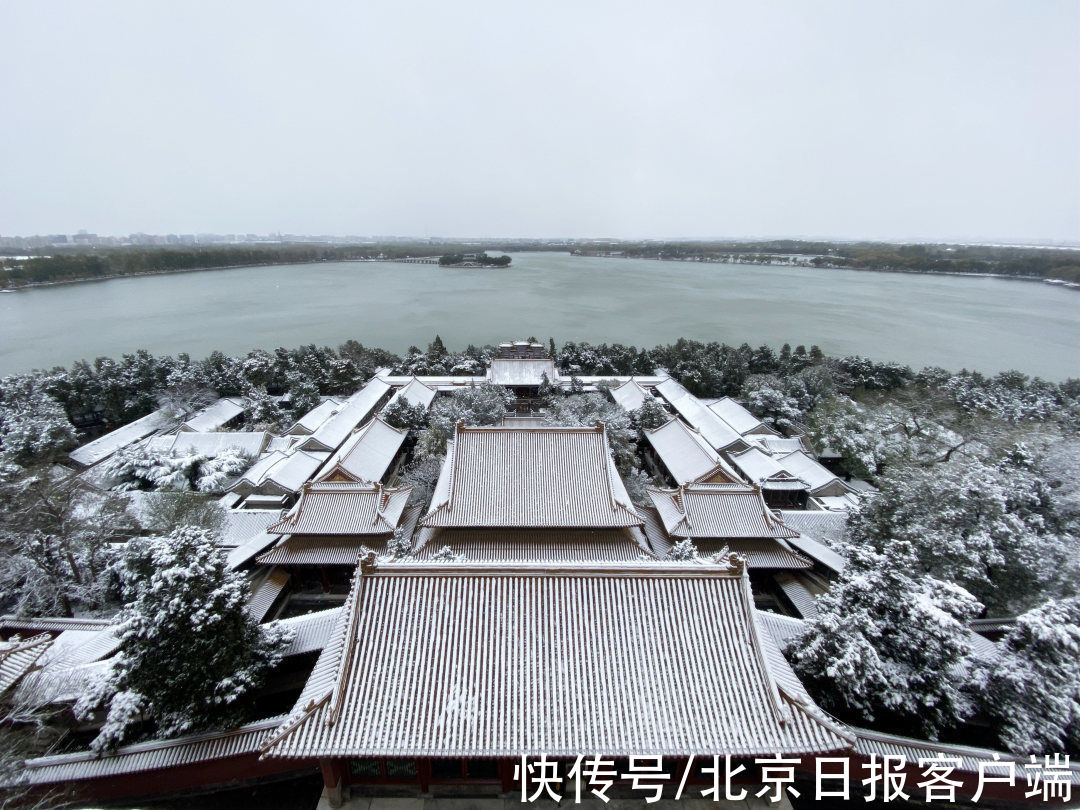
[942, 258]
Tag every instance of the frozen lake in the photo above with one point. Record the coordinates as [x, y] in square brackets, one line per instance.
[986, 324]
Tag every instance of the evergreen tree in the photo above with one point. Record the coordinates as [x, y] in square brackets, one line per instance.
[190, 654]
[889, 646]
[1032, 689]
[650, 415]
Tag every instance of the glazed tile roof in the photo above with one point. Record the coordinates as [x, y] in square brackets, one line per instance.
[534, 545]
[521, 371]
[344, 508]
[366, 455]
[18, 657]
[210, 444]
[740, 419]
[265, 591]
[313, 419]
[311, 631]
[150, 756]
[531, 478]
[415, 392]
[718, 433]
[765, 471]
[321, 550]
[214, 416]
[103, 447]
[686, 454]
[330, 435]
[279, 473]
[458, 660]
[630, 395]
[717, 510]
[821, 480]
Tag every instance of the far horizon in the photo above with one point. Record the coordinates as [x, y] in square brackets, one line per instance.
[896, 122]
[286, 236]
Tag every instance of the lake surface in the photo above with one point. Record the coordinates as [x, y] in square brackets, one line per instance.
[986, 324]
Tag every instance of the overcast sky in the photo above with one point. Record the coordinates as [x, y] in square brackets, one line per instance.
[953, 120]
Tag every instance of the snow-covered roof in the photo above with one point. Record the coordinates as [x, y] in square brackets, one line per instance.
[521, 371]
[150, 756]
[765, 471]
[835, 503]
[323, 551]
[801, 596]
[777, 445]
[101, 448]
[265, 589]
[534, 545]
[611, 659]
[352, 413]
[241, 555]
[310, 631]
[210, 444]
[827, 527]
[243, 524]
[530, 477]
[821, 480]
[414, 392]
[366, 455]
[21, 624]
[740, 419]
[215, 416]
[280, 473]
[344, 508]
[718, 433]
[74, 658]
[17, 657]
[687, 456]
[818, 551]
[313, 419]
[869, 743]
[630, 395]
[721, 511]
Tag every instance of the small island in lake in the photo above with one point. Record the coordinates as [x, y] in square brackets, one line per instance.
[473, 260]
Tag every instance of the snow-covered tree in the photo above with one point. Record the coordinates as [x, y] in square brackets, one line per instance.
[32, 424]
[261, 411]
[190, 653]
[136, 467]
[217, 473]
[636, 482]
[55, 540]
[399, 545]
[162, 512]
[650, 415]
[683, 551]
[889, 646]
[990, 528]
[872, 438]
[1032, 689]
[303, 393]
[422, 475]
[475, 405]
[405, 416]
[768, 400]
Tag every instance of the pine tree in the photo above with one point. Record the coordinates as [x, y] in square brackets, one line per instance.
[190, 653]
[889, 645]
[1032, 689]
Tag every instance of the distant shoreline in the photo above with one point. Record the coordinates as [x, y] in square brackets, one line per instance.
[1055, 282]
[114, 276]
